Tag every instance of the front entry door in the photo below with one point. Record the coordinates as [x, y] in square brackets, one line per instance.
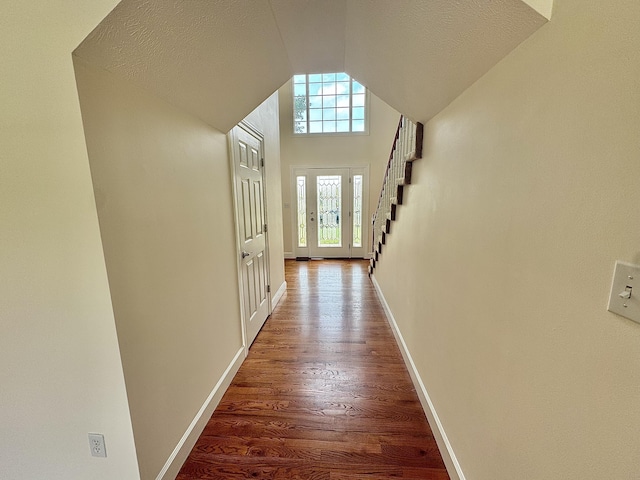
[328, 230]
[249, 179]
[330, 211]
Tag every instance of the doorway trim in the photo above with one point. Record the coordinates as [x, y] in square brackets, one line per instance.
[295, 170]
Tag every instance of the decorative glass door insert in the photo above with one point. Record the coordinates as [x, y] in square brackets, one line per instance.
[329, 194]
[357, 210]
[301, 217]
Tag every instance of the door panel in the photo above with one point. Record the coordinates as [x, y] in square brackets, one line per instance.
[247, 150]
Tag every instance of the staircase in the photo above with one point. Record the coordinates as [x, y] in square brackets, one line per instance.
[407, 147]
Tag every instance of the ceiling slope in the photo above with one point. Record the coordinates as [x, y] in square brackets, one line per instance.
[313, 32]
[219, 59]
[419, 57]
[543, 7]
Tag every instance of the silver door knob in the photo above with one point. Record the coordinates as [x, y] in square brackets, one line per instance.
[245, 254]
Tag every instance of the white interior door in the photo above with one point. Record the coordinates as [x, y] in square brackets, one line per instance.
[330, 210]
[251, 218]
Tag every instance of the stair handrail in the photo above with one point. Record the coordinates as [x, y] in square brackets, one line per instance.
[407, 146]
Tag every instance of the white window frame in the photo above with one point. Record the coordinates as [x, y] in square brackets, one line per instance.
[311, 110]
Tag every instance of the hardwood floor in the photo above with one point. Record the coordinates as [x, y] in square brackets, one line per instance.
[324, 393]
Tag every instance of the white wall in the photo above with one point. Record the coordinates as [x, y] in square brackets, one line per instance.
[163, 191]
[499, 268]
[265, 120]
[61, 375]
[334, 150]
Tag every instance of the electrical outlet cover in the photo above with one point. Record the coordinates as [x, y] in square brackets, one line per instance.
[96, 443]
[626, 278]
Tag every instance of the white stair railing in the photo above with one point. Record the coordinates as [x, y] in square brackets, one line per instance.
[407, 147]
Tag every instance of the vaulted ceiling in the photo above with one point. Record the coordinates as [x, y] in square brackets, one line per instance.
[219, 59]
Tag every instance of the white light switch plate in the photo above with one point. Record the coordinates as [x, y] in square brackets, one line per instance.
[625, 277]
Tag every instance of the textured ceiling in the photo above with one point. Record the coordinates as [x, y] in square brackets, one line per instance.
[543, 7]
[420, 57]
[313, 32]
[219, 59]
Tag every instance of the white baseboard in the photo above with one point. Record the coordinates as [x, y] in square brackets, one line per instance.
[446, 450]
[289, 256]
[278, 295]
[188, 440]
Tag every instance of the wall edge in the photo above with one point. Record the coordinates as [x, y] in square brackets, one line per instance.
[278, 295]
[446, 450]
[183, 448]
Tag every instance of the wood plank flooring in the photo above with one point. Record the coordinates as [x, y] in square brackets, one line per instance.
[324, 393]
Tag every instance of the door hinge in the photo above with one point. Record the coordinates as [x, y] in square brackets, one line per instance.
[262, 162]
[265, 227]
[268, 288]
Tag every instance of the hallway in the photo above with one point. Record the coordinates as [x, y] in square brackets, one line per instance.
[324, 393]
